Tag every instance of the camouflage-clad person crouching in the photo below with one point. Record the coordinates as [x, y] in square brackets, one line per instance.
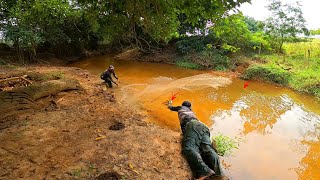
[196, 145]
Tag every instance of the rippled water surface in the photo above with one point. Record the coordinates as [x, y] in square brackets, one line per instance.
[280, 128]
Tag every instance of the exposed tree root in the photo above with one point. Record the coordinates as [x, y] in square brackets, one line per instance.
[25, 97]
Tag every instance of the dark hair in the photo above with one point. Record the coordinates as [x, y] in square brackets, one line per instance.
[187, 104]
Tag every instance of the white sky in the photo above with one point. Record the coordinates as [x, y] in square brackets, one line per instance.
[310, 9]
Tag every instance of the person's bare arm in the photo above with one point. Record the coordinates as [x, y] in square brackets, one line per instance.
[114, 81]
[114, 75]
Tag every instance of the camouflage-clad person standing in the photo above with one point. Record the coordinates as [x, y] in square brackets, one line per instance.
[196, 145]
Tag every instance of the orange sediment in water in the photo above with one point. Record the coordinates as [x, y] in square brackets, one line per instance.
[280, 127]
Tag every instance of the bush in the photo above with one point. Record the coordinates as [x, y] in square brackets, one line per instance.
[304, 74]
[193, 44]
[225, 145]
[207, 59]
[271, 73]
[213, 59]
[189, 65]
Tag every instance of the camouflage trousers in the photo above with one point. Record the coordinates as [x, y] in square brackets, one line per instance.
[197, 149]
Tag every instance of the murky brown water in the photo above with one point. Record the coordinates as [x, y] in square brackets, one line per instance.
[280, 128]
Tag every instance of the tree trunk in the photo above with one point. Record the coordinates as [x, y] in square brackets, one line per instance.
[281, 43]
[19, 52]
[280, 48]
[33, 53]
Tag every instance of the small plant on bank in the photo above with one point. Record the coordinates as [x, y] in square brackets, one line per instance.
[225, 145]
[77, 172]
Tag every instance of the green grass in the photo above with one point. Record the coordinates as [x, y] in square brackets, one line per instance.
[301, 73]
[225, 144]
[7, 65]
[307, 81]
[300, 49]
[77, 172]
[269, 72]
[188, 65]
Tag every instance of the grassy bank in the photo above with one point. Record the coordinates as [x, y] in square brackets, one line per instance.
[296, 69]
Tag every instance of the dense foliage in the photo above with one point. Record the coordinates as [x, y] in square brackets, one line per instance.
[207, 34]
[68, 27]
[271, 73]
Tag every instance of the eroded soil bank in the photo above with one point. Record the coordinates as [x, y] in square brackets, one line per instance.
[72, 134]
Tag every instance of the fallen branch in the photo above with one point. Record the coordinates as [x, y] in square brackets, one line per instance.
[16, 78]
[24, 78]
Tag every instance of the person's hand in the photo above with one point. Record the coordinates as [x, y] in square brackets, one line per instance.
[167, 103]
[118, 80]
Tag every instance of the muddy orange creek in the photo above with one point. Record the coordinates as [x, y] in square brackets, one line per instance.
[279, 128]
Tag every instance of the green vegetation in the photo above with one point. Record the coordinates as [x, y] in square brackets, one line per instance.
[9, 66]
[270, 72]
[55, 75]
[189, 65]
[70, 27]
[88, 171]
[198, 53]
[225, 145]
[315, 31]
[236, 34]
[40, 77]
[204, 33]
[296, 69]
[279, 55]
[286, 21]
[77, 172]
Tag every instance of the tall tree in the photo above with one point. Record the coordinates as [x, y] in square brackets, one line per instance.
[147, 22]
[232, 30]
[141, 23]
[285, 21]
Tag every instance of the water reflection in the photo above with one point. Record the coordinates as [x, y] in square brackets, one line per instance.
[280, 135]
[280, 127]
[309, 164]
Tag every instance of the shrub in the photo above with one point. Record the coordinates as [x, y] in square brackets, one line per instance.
[207, 59]
[271, 73]
[188, 65]
[192, 44]
[225, 144]
[214, 59]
